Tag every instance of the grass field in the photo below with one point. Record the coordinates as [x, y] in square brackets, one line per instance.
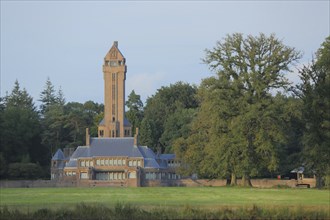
[201, 197]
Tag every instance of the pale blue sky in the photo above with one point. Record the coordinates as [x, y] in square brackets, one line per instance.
[163, 41]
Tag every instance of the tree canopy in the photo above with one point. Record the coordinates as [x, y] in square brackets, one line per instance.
[237, 129]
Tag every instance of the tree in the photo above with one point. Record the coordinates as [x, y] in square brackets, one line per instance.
[243, 132]
[135, 112]
[47, 96]
[20, 136]
[314, 92]
[161, 106]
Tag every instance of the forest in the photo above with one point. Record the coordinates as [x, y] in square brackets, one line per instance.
[246, 120]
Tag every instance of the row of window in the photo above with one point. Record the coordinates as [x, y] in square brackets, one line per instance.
[70, 173]
[110, 162]
[172, 163]
[162, 176]
[114, 63]
[86, 163]
[114, 176]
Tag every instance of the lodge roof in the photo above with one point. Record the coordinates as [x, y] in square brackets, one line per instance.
[119, 147]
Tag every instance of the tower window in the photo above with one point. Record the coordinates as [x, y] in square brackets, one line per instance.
[113, 63]
[113, 133]
[113, 119]
[101, 133]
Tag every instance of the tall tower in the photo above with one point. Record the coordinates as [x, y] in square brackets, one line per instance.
[114, 123]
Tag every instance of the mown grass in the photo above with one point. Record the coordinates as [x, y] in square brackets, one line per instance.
[203, 201]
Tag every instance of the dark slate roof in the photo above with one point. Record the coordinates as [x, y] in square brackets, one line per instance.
[71, 163]
[81, 151]
[167, 156]
[147, 152]
[59, 155]
[151, 163]
[114, 147]
[126, 123]
[102, 122]
[119, 147]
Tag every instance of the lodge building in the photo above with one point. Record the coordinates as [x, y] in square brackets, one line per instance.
[114, 158]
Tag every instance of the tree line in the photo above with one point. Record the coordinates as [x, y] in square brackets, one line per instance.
[247, 120]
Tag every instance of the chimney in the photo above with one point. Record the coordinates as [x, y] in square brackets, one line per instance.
[88, 141]
[115, 43]
[136, 137]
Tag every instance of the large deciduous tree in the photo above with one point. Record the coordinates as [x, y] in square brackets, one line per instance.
[315, 94]
[238, 112]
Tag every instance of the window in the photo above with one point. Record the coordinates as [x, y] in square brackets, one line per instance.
[130, 163]
[115, 162]
[87, 163]
[101, 133]
[82, 163]
[98, 162]
[115, 176]
[132, 175]
[106, 162]
[83, 175]
[102, 162]
[124, 162]
[134, 163]
[119, 162]
[113, 63]
[91, 163]
[111, 162]
[139, 163]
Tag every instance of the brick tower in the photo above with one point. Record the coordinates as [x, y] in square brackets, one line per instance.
[114, 123]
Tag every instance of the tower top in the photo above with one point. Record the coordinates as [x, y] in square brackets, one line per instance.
[114, 53]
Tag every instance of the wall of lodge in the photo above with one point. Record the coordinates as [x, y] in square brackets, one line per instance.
[259, 183]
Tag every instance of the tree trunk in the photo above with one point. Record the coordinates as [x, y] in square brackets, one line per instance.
[227, 181]
[233, 180]
[246, 181]
[319, 182]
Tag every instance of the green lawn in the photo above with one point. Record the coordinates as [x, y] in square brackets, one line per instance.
[171, 197]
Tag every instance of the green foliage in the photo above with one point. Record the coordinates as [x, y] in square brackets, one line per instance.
[314, 91]
[160, 107]
[135, 112]
[24, 170]
[238, 129]
[20, 135]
